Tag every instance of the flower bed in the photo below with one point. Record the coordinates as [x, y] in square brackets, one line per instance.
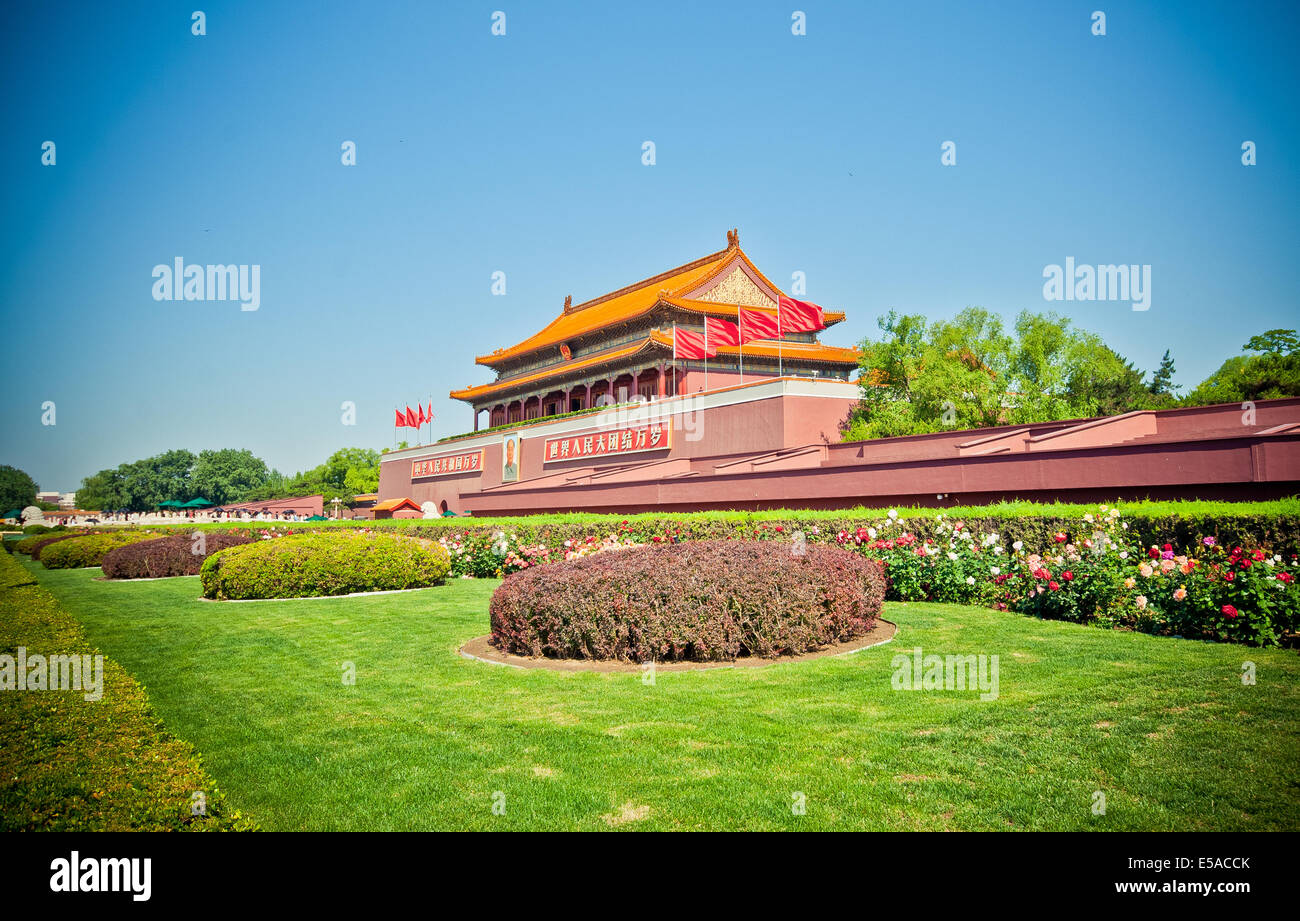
[311, 565]
[88, 549]
[1093, 571]
[1097, 574]
[176, 555]
[696, 601]
[498, 554]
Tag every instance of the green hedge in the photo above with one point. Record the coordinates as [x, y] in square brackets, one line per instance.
[1274, 523]
[311, 565]
[88, 549]
[68, 764]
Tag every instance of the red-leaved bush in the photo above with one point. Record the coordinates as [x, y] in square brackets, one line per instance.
[700, 601]
[177, 555]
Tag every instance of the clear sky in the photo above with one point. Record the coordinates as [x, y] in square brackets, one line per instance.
[523, 153]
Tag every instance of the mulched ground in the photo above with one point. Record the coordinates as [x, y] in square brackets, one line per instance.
[881, 632]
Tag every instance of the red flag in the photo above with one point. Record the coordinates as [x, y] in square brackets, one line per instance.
[687, 344]
[755, 324]
[411, 419]
[400, 421]
[422, 418]
[721, 332]
[430, 412]
[800, 316]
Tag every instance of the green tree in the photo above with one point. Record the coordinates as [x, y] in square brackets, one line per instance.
[226, 475]
[1273, 373]
[1162, 382]
[17, 489]
[970, 372]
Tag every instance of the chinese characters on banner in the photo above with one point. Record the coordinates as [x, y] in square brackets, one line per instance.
[468, 462]
[655, 436]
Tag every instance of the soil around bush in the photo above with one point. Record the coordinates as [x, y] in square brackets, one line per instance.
[881, 632]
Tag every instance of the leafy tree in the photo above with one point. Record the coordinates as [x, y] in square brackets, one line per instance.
[139, 485]
[17, 489]
[224, 476]
[1275, 372]
[970, 372]
[346, 473]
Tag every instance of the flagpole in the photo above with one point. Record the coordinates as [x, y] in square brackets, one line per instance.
[740, 325]
[780, 369]
[706, 353]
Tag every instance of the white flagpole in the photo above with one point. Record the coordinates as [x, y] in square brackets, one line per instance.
[706, 353]
[780, 370]
[740, 325]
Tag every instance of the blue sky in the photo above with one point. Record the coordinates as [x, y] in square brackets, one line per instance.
[522, 153]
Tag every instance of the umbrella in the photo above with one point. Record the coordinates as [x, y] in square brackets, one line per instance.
[317, 518]
[199, 502]
[169, 503]
[16, 513]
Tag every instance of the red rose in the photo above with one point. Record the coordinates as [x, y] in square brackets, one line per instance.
[1229, 610]
[1059, 537]
[1167, 547]
[1067, 575]
[1054, 586]
[1229, 575]
[1153, 553]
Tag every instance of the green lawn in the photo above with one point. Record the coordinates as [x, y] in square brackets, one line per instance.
[425, 737]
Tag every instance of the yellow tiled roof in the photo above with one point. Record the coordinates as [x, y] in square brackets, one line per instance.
[628, 303]
[470, 393]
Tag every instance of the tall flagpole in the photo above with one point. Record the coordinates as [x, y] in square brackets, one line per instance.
[780, 370]
[740, 325]
[706, 353]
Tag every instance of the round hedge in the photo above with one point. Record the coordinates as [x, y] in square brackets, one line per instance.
[88, 549]
[175, 555]
[311, 565]
[699, 601]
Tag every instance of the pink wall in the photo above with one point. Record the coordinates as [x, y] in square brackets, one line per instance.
[748, 455]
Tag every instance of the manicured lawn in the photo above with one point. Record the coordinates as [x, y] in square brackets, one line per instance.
[425, 737]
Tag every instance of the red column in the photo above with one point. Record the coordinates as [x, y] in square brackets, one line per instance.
[476, 412]
[660, 369]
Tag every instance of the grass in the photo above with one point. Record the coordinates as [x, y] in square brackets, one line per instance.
[72, 764]
[425, 738]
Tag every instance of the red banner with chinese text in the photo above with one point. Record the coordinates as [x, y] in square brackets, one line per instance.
[467, 462]
[653, 436]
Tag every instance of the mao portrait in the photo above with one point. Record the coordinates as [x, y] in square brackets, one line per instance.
[510, 459]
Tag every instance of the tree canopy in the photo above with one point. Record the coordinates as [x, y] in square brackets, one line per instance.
[971, 372]
[1273, 372]
[17, 489]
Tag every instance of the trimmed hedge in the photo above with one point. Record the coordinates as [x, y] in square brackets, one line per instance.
[88, 549]
[311, 565]
[701, 601]
[177, 555]
[30, 543]
[69, 764]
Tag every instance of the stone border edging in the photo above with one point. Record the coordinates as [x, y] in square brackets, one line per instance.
[478, 649]
[389, 591]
